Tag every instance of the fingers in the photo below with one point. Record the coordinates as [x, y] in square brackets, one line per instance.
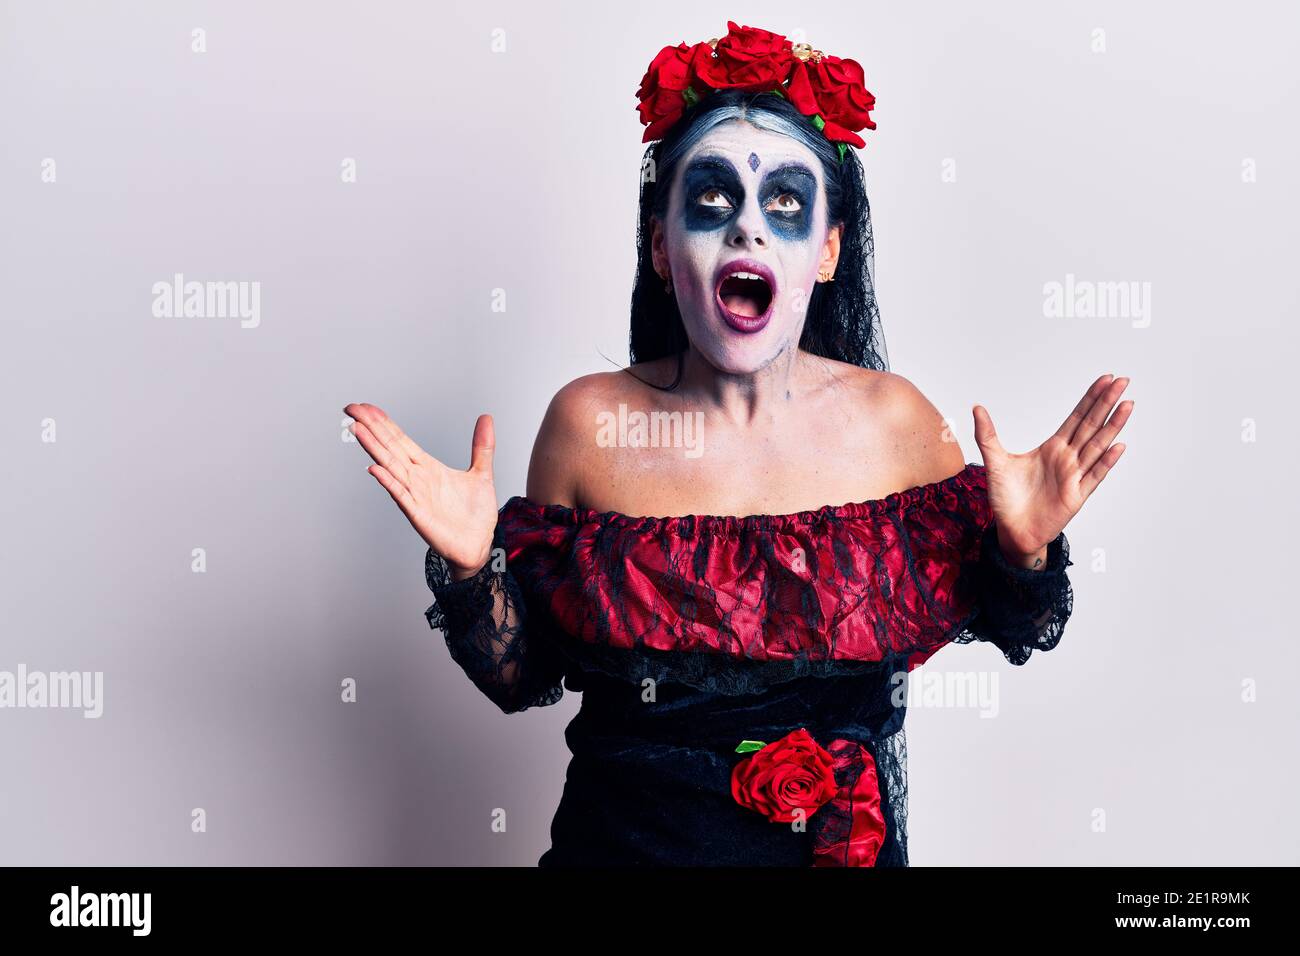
[395, 488]
[483, 449]
[408, 445]
[1088, 484]
[1075, 418]
[385, 429]
[394, 464]
[986, 436]
[1096, 414]
[1100, 441]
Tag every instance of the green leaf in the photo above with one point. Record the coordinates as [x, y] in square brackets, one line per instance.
[843, 148]
[690, 96]
[818, 121]
[749, 746]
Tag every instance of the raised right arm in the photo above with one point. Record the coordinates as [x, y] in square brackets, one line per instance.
[477, 605]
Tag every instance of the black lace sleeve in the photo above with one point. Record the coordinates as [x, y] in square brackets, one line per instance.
[1021, 610]
[485, 623]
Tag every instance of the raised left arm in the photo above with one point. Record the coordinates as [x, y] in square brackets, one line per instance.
[1025, 596]
[1034, 495]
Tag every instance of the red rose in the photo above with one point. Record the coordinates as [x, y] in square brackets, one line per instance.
[747, 58]
[837, 90]
[827, 88]
[660, 93]
[794, 773]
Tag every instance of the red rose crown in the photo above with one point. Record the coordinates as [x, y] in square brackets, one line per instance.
[829, 90]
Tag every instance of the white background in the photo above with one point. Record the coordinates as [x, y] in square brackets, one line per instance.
[518, 171]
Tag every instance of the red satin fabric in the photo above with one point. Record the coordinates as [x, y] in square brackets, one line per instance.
[856, 582]
[858, 803]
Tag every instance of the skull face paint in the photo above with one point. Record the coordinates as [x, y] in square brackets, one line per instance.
[744, 239]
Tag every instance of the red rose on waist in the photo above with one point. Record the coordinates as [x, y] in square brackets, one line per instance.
[794, 773]
[836, 786]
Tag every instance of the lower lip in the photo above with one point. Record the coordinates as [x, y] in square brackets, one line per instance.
[749, 324]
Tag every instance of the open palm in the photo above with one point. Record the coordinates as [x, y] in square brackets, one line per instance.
[1034, 495]
[454, 511]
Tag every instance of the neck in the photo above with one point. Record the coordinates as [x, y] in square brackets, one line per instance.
[745, 398]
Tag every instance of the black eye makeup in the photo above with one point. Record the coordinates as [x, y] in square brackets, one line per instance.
[713, 193]
[788, 194]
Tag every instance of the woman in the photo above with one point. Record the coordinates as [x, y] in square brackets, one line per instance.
[743, 664]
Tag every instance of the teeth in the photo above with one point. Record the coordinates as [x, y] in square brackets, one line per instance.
[743, 275]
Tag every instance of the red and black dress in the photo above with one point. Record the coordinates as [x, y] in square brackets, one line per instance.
[697, 640]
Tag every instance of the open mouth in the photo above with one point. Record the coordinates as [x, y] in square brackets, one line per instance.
[745, 293]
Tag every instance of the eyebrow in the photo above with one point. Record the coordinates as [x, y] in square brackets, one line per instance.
[791, 166]
[712, 161]
[722, 164]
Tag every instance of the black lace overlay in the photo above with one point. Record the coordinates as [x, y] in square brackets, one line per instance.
[485, 621]
[1020, 610]
[654, 741]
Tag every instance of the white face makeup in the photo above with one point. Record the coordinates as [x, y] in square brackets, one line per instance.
[744, 239]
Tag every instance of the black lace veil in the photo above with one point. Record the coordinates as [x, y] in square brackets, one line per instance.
[843, 319]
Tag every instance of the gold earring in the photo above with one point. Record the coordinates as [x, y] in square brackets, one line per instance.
[825, 276]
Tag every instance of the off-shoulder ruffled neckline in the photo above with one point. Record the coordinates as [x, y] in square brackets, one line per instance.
[895, 502]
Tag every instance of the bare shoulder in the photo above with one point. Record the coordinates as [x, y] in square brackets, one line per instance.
[890, 415]
[927, 449]
[569, 429]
